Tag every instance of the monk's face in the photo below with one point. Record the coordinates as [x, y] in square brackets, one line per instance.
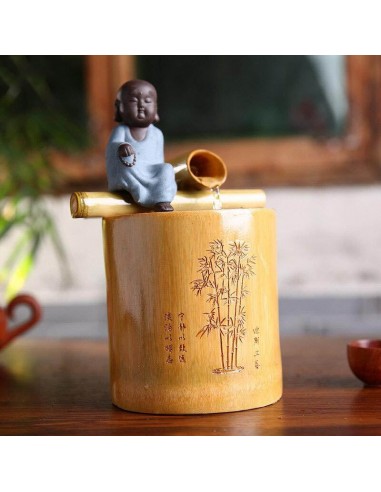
[139, 104]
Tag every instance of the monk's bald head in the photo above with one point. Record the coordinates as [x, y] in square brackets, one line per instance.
[136, 103]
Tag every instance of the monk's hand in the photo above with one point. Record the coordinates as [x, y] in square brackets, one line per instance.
[127, 155]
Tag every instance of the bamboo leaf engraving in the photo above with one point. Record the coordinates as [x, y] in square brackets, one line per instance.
[224, 272]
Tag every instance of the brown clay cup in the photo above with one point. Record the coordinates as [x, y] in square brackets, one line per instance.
[364, 357]
[8, 334]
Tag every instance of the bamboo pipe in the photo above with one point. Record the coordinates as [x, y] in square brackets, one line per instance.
[105, 204]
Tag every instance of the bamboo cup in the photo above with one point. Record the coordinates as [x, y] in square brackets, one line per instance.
[104, 204]
[199, 169]
[193, 311]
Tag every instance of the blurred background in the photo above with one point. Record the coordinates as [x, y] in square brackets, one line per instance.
[306, 129]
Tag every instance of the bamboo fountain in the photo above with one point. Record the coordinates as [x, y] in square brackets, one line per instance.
[191, 295]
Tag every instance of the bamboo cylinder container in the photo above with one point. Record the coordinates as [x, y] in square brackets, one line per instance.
[193, 311]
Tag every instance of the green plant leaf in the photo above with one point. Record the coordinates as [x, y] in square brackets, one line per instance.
[20, 246]
[19, 276]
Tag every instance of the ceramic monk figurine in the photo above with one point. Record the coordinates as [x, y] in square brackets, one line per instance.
[135, 151]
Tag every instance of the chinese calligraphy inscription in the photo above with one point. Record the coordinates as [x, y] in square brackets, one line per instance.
[256, 347]
[175, 338]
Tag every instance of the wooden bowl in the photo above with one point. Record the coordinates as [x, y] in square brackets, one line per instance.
[364, 357]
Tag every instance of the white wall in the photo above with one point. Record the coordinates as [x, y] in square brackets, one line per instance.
[329, 240]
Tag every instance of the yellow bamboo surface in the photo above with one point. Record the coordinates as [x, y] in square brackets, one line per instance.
[105, 204]
[193, 311]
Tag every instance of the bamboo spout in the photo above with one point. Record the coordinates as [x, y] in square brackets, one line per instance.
[105, 204]
[199, 169]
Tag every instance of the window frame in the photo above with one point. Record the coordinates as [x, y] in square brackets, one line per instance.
[351, 158]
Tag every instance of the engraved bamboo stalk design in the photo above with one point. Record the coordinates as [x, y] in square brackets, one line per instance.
[224, 274]
[218, 307]
[235, 310]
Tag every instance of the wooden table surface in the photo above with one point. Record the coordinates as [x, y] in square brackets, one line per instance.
[61, 387]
